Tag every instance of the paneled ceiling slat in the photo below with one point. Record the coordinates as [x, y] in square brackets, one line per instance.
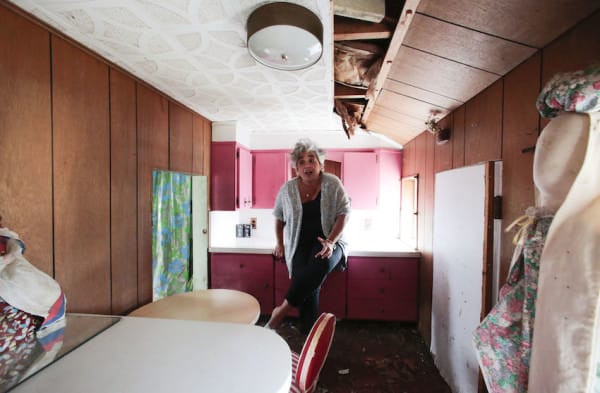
[402, 118]
[533, 23]
[409, 106]
[422, 95]
[439, 75]
[465, 46]
[400, 133]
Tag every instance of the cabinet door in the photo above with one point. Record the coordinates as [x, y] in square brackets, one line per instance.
[223, 176]
[244, 171]
[250, 273]
[333, 291]
[269, 173]
[382, 288]
[361, 176]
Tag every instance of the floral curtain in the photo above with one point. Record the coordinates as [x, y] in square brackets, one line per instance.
[171, 233]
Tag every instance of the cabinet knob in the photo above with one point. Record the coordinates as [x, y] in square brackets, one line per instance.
[204, 230]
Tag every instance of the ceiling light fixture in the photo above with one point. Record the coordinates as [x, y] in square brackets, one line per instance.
[285, 36]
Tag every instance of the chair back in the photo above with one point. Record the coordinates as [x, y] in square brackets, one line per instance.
[314, 352]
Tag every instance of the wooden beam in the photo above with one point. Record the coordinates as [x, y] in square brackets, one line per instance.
[343, 91]
[406, 17]
[346, 29]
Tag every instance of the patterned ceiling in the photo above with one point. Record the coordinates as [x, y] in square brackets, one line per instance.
[195, 51]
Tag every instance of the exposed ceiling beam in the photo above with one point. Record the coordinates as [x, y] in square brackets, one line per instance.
[406, 17]
[346, 29]
[343, 91]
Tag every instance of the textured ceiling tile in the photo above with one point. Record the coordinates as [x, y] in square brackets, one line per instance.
[121, 15]
[228, 37]
[164, 15]
[80, 20]
[121, 34]
[190, 41]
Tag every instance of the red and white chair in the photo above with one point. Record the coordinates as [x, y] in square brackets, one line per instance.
[307, 365]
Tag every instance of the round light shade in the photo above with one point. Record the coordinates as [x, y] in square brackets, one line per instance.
[285, 36]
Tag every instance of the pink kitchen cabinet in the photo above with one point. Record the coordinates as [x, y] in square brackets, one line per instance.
[250, 273]
[270, 170]
[231, 176]
[360, 174]
[383, 288]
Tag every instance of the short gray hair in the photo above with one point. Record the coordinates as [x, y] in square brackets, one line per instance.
[305, 145]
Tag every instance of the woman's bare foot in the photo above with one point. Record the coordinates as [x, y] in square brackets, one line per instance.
[278, 315]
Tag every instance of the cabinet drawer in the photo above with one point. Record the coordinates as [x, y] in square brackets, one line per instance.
[398, 310]
[237, 264]
[375, 289]
[382, 268]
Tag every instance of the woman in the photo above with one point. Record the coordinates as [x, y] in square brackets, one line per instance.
[311, 212]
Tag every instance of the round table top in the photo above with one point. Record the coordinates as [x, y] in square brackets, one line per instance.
[216, 305]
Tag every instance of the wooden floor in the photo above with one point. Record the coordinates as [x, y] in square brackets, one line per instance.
[373, 357]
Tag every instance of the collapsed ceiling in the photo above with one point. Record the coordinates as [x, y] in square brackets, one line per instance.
[425, 58]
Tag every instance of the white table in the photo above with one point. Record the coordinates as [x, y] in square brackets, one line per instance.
[148, 355]
[217, 305]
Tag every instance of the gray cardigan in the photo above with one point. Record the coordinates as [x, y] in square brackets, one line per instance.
[288, 209]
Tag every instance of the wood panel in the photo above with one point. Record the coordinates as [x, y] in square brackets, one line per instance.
[420, 165]
[573, 51]
[26, 143]
[383, 114]
[409, 159]
[458, 138]
[422, 95]
[466, 46]
[483, 126]
[451, 79]
[399, 132]
[81, 177]
[153, 153]
[181, 139]
[443, 152]
[198, 145]
[123, 192]
[521, 87]
[408, 106]
[535, 23]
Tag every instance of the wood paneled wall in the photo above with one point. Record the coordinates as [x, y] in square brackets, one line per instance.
[79, 140]
[497, 124]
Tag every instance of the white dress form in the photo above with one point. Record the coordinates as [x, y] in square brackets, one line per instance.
[566, 327]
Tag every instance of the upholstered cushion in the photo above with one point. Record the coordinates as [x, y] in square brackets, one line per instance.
[313, 355]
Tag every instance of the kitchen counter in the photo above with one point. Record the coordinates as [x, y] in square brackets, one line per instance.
[389, 248]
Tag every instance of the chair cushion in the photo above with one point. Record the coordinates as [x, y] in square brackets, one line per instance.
[314, 352]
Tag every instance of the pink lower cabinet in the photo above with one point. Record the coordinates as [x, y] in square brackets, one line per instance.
[383, 288]
[333, 292]
[250, 273]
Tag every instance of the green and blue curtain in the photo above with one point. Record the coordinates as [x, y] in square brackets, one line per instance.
[171, 233]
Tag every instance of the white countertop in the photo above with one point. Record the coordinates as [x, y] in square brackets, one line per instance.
[387, 248]
[145, 355]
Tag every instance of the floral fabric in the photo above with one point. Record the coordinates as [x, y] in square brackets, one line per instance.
[171, 233]
[571, 92]
[503, 339]
[18, 344]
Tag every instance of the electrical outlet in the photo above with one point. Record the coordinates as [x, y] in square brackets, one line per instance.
[253, 222]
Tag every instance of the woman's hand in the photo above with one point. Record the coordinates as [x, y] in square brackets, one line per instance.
[279, 251]
[327, 250]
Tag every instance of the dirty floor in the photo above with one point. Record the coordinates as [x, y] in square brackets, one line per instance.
[373, 357]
